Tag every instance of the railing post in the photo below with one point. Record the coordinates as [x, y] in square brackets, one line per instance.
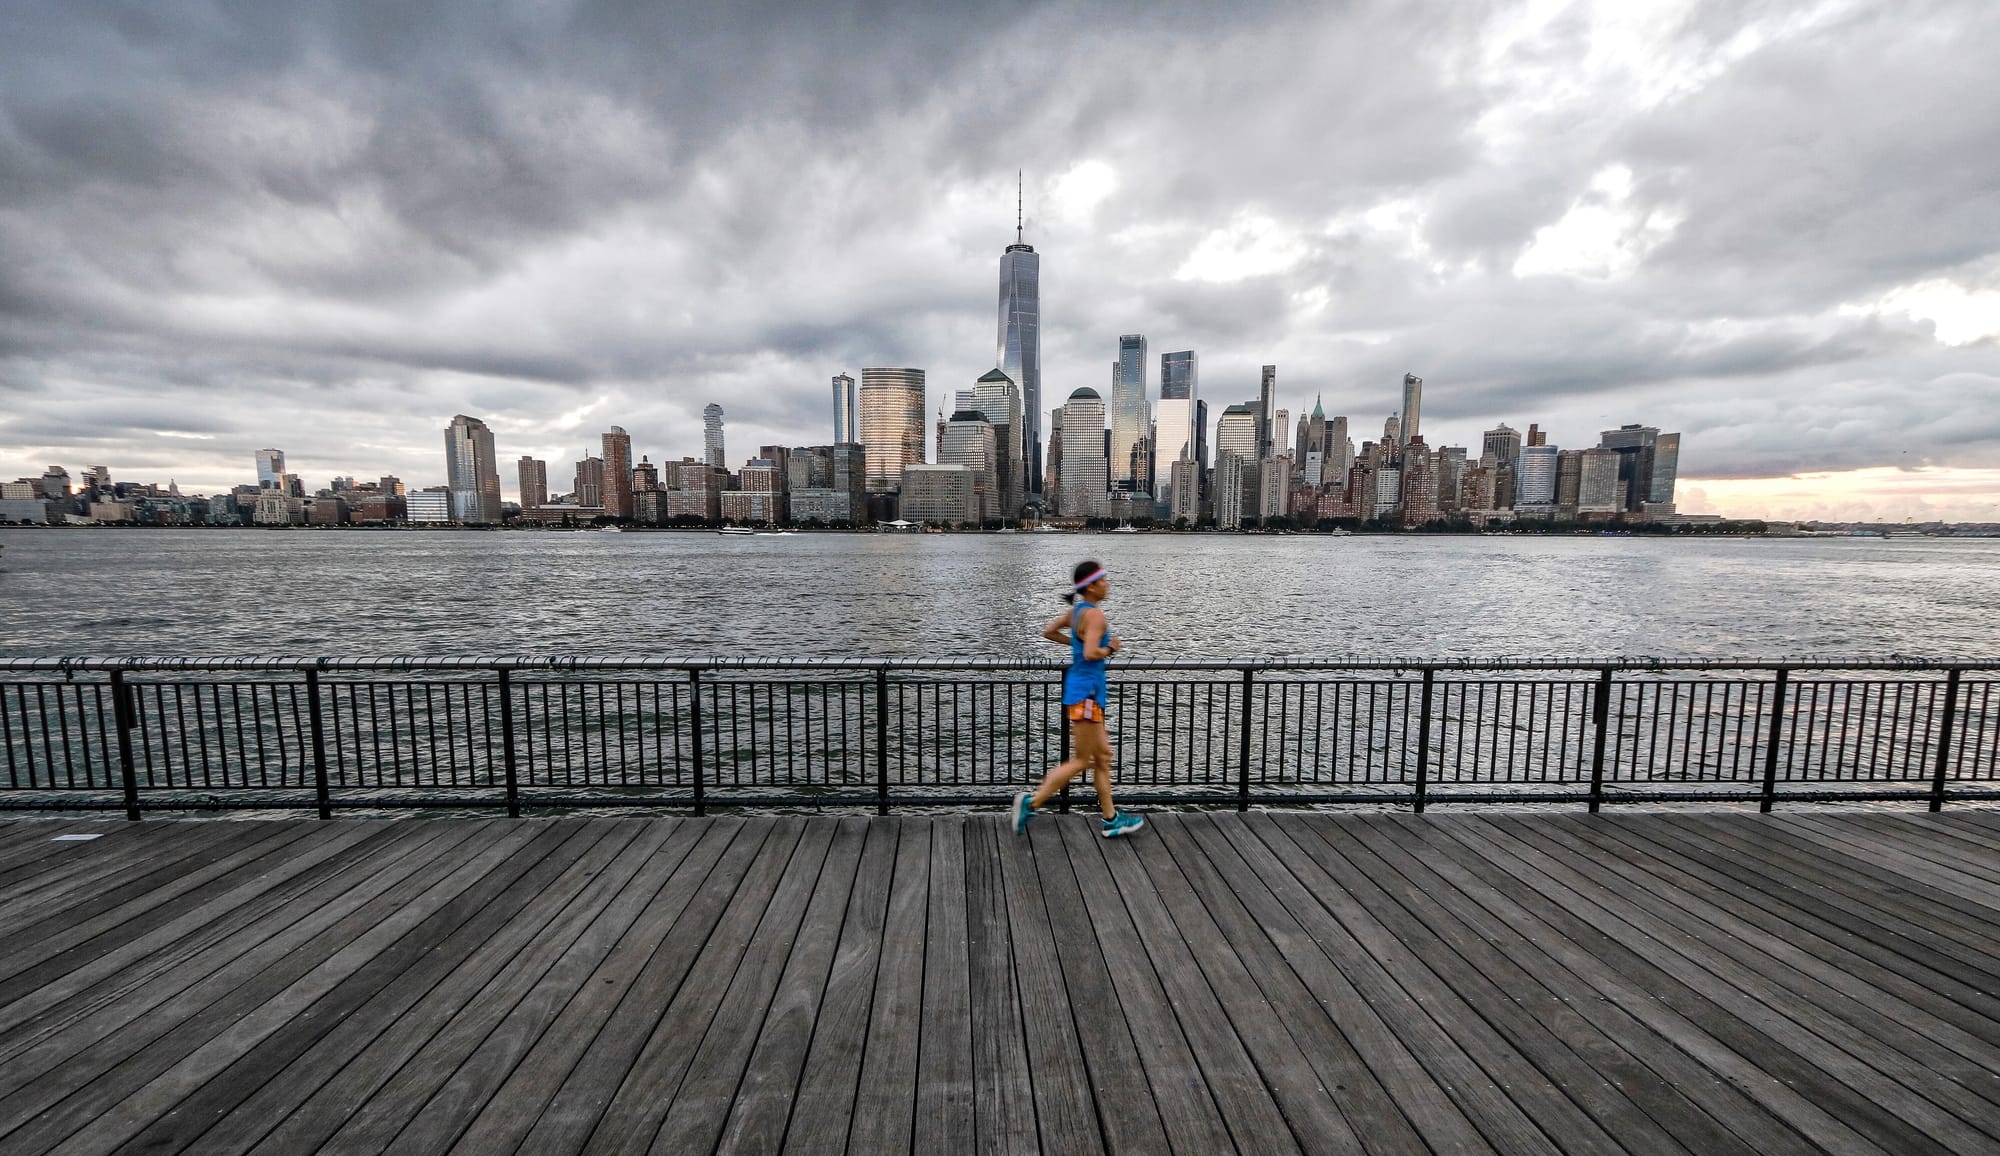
[1777, 735]
[1062, 739]
[1944, 739]
[1600, 721]
[881, 740]
[125, 713]
[320, 792]
[694, 717]
[1424, 739]
[507, 744]
[1243, 749]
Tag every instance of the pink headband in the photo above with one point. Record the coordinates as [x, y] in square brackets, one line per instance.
[1092, 578]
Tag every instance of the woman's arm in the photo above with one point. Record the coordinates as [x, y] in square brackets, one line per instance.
[1057, 629]
[1097, 642]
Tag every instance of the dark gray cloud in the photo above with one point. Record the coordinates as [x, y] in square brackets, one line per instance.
[227, 225]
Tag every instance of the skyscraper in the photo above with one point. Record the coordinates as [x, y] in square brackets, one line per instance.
[711, 437]
[1535, 479]
[1019, 349]
[996, 396]
[533, 475]
[1175, 429]
[270, 469]
[589, 484]
[969, 441]
[472, 475]
[1085, 472]
[845, 426]
[618, 473]
[1638, 449]
[1130, 414]
[892, 424]
[1238, 431]
[1413, 405]
[1503, 443]
[1267, 412]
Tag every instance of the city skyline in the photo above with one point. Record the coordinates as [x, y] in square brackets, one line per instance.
[1750, 226]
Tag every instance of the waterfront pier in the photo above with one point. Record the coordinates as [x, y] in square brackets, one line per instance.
[1261, 982]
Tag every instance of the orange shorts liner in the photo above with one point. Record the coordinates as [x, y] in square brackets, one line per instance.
[1086, 711]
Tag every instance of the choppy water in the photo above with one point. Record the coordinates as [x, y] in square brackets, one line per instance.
[444, 592]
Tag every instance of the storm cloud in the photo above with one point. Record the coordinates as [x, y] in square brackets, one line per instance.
[1774, 226]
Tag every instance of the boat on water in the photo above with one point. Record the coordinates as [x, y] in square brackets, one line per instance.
[1127, 528]
[1045, 528]
[776, 534]
[737, 531]
[1339, 533]
[611, 529]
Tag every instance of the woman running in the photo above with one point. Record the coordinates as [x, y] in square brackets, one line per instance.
[1084, 629]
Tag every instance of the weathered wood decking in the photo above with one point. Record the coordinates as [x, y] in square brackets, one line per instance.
[1700, 983]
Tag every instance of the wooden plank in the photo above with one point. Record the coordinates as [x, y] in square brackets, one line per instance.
[944, 1095]
[561, 1083]
[432, 1097]
[1065, 1110]
[111, 1070]
[1874, 902]
[884, 1102]
[85, 1047]
[1003, 1087]
[646, 1094]
[825, 1101]
[1127, 1115]
[113, 974]
[171, 1111]
[29, 846]
[700, 1107]
[1504, 976]
[105, 893]
[1973, 878]
[54, 878]
[763, 1101]
[1891, 1063]
[1805, 903]
[1937, 1004]
[1267, 1091]
[1783, 1046]
[1582, 989]
[300, 1107]
[1393, 983]
[1188, 1111]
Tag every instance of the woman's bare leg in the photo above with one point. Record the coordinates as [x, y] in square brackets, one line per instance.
[1100, 778]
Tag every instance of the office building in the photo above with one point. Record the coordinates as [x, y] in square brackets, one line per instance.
[472, 473]
[1535, 480]
[892, 424]
[1238, 431]
[1281, 435]
[1018, 353]
[969, 441]
[271, 469]
[999, 398]
[1180, 375]
[1666, 468]
[1131, 412]
[1600, 486]
[1177, 428]
[713, 451]
[1274, 487]
[432, 505]
[1267, 412]
[1413, 406]
[941, 492]
[1502, 444]
[1184, 491]
[1085, 468]
[617, 473]
[1648, 462]
[837, 497]
[533, 477]
[846, 410]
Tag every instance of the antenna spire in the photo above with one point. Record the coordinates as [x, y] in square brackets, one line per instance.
[1020, 185]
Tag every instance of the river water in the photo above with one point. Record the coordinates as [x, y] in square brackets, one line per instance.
[213, 592]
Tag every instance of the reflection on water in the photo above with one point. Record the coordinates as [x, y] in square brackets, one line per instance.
[441, 592]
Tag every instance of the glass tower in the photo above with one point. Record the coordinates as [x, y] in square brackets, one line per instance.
[845, 409]
[1130, 414]
[1019, 352]
[892, 424]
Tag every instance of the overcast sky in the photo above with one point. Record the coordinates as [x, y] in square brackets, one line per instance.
[329, 227]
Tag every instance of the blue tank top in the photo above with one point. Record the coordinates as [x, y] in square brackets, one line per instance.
[1085, 677]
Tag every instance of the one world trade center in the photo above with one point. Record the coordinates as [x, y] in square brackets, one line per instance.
[1020, 347]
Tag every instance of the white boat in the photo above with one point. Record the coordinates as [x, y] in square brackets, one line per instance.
[736, 531]
[611, 529]
[1339, 533]
[1127, 528]
[776, 534]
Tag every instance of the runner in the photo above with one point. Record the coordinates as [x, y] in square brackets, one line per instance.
[1088, 635]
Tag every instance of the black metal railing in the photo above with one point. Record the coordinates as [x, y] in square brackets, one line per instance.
[534, 733]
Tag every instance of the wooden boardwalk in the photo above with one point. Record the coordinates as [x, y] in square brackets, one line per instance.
[1698, 983]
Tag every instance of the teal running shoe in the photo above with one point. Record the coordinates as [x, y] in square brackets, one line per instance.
[1024, 810]
[1122, 823]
